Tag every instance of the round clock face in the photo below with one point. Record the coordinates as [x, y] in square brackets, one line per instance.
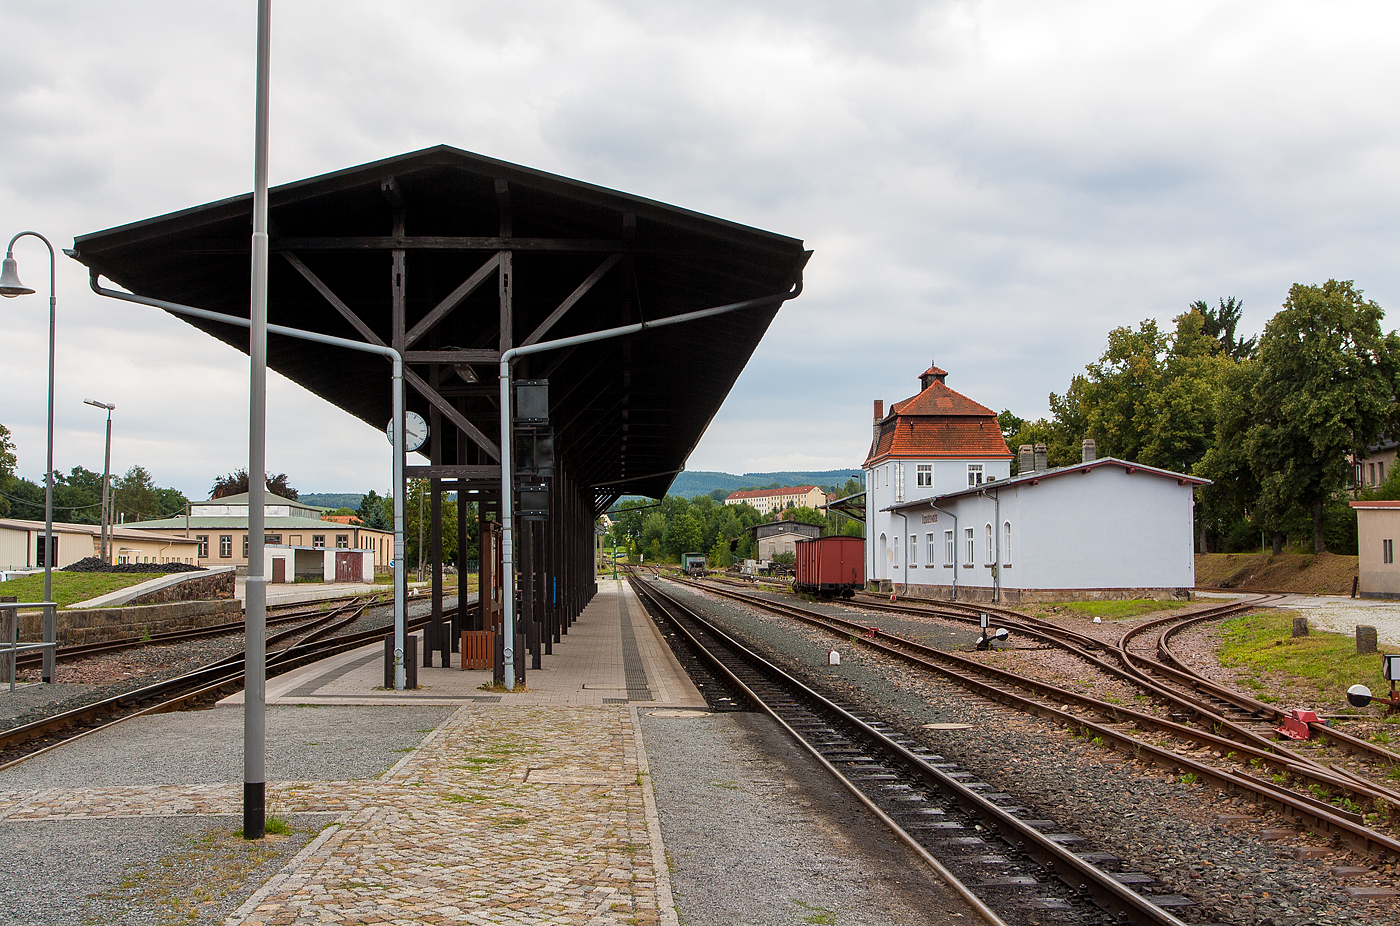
[415, 431]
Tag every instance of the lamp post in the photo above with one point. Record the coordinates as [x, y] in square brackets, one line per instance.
[106, 480]
[10, 286]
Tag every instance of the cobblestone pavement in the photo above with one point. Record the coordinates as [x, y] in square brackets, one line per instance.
[502, 814]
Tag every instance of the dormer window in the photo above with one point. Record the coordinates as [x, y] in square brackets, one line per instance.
[974, 474]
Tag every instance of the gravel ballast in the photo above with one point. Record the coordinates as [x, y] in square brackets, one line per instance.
[1181, 833]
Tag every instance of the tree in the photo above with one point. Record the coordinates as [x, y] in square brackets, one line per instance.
[372, 512]
[236, 483]
[1326, 389]
[8, 459]
[1219, 324]
[134, 495]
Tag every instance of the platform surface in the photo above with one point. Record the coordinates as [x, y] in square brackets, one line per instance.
[613, 654]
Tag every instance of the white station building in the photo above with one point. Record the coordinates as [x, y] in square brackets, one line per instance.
[946, 520]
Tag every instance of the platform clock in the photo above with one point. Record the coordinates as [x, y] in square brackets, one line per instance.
[415, 431]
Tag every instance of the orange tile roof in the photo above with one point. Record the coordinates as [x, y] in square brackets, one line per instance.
[939, 423]
[938, 399]
[764, 493]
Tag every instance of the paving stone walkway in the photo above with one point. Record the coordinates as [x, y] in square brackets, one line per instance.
[503, 814]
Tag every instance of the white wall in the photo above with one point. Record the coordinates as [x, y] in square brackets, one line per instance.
[1102, 529]
[881, 485]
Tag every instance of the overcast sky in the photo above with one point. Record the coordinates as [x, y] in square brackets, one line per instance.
[992, 186]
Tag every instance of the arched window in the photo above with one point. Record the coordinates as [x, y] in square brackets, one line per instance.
[1006, 544]
[991, 550]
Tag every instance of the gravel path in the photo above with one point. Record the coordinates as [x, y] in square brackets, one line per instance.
[1238, 862]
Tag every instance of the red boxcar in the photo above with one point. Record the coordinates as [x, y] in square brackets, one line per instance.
[830, 566]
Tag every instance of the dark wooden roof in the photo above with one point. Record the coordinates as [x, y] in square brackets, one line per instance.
[622, 409]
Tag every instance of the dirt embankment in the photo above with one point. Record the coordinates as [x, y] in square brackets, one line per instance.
[1304, 573]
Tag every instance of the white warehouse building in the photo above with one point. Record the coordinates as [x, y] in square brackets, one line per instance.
[946, 520]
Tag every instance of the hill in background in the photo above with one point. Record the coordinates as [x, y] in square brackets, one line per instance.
[331, 500]
[690, 484]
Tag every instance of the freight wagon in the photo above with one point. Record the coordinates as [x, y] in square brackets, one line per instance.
[830, 566]
[693, 564]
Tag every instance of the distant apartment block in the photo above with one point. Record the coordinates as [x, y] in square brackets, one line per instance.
[770, 500]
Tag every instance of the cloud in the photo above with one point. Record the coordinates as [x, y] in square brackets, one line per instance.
[991, 184]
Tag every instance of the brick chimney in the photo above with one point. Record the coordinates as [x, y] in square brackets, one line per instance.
[1026, 455]
[1090, 450]
[1041, 452]
[879, 416]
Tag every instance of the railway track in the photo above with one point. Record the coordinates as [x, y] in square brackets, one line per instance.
[305, 643]
[1247, 763]
[1014, 869]
[276, 617]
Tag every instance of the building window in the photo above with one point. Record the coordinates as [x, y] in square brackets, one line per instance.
[974, 474]
[931, 550]
[970, 555]
[1380, 472]
[899, 482]
[225, 546]
[991, 551]
[1006, 544]
[202, 541]
[342, 541]
[948, 559]
[913, 549]
[275, 539]
[318, 541]
[925, 475]
[245, 546]
[1387, 551]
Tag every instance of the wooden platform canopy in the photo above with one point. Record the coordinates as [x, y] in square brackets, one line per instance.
[452, 258]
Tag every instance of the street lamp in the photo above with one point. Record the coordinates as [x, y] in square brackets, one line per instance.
[106, 478]
[10, 286]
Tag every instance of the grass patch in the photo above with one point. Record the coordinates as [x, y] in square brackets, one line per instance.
[73, 587]
[1121, 610]
[181, 886]
[1263, 643]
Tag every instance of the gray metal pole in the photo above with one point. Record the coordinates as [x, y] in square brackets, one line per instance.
[106, 494]
[105, 518]
[400, 585]
[50, 617]
[255, 654]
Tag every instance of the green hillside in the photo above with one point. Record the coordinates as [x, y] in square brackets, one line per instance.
[690, 484]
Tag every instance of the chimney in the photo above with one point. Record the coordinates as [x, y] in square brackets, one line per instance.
[1041, 451]
[1027, 458]
[1091, 450]
[879, 416]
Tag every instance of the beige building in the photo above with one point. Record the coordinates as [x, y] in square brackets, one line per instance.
[1371, 469]
[22, 545]
[770, 500]
[1377, 530]
[219, 529]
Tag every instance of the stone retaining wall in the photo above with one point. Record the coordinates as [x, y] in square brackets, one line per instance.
[99, 625]
[197, 587]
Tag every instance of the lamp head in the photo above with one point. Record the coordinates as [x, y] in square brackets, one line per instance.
[96, 404]
[10, 286]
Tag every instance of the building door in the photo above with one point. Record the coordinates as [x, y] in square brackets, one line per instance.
[279, 569]
[346, 566]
